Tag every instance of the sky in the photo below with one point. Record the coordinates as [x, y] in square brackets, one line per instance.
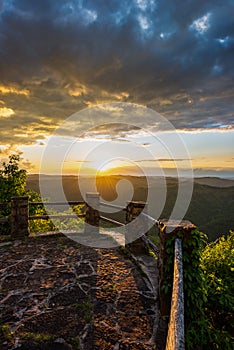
[174, 57]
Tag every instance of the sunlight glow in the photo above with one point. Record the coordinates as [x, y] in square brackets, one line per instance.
[107, 168]
[13, 90]
[6, 112]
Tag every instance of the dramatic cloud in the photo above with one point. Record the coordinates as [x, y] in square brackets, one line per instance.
[13, 90]
[58, 57]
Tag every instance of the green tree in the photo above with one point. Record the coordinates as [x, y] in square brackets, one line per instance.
[13, 183]
[12, 180]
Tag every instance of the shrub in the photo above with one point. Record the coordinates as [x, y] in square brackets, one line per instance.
[218, 265]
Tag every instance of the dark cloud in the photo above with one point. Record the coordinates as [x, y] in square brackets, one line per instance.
[174, 56]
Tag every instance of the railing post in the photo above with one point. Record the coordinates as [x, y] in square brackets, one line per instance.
[133, 239]
[167, 229]
[92, 216]
[19, 217]
[175, 335]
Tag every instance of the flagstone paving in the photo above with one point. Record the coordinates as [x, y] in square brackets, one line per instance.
[57, 294]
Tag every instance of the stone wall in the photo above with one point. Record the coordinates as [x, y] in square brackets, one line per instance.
[19, 216]
[136, 227]
[92, 216]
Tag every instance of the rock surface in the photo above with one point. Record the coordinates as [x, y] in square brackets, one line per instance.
[57, 294]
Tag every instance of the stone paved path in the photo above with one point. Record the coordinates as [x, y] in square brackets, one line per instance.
[58, 295]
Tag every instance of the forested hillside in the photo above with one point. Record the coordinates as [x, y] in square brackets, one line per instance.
[211, 207]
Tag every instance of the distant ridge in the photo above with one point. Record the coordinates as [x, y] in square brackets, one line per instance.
[214, 181]
[206, 180]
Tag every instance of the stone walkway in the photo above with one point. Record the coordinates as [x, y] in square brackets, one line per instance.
[56, 294]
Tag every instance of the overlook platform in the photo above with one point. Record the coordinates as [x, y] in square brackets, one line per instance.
[56, 294]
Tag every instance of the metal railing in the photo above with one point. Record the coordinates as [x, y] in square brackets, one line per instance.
[24, 214]
[63, 216]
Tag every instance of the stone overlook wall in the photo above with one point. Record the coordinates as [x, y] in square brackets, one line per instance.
[167, 324]
[19, 216]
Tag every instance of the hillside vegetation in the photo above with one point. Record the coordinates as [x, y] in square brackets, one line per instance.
[211, 207]
[217, 262]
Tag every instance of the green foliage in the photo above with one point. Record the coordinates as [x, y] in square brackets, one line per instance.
[194, 284]
[41, 225]
[6, 332]
[75, 342]
[85, 310]
[218, 265]
[153, 236]
[12, 179]
[152, 254]
[76, 224]
[13, 183]
[37, 337]
[195, 294]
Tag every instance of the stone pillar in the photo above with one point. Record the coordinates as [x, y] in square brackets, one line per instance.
[19, 217]
[92, 216]
[138, 228]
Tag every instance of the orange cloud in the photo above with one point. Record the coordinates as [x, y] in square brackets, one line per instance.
[13, 90]
[6, 112]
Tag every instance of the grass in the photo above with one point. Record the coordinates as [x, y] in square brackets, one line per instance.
[154, 238]
[6, 331]
[86, 309]
[151, 253]
[75, 342]
[37, 337]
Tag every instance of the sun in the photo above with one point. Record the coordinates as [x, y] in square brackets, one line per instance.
[107, 168]
[110, 167]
